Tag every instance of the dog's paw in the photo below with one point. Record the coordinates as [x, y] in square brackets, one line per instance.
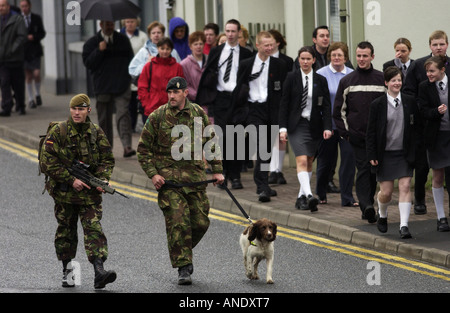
[270, 282]
[255, 277]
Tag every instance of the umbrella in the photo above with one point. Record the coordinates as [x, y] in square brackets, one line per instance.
[108, 10]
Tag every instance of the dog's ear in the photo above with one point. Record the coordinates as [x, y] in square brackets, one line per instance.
[274, 228]
[254, 229]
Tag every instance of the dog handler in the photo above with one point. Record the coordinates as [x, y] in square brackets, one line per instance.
[185, 209]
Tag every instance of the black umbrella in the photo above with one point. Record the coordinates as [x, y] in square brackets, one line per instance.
[108, 10]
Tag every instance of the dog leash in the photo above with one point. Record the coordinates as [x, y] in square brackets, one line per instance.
[172, 184]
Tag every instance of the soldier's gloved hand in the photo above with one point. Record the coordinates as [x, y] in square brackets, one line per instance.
[78, 185]
[158, 181]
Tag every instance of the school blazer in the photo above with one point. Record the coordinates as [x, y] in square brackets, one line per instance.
[207, 89]
[33, 49]
[429, 102]
[377, 128]
[290, 106]
[277, 75]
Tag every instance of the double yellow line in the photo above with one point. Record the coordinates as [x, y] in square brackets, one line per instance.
[306, 238]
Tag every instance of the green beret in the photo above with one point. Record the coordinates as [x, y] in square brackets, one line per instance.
[176, 83]
[80, 100]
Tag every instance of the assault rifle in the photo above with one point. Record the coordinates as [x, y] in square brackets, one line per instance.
[80, 171]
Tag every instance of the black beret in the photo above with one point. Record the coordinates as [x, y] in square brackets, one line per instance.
[176, 83]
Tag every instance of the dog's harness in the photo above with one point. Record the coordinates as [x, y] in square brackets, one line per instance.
[171, 184]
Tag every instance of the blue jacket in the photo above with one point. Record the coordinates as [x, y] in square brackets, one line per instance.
[181, 45]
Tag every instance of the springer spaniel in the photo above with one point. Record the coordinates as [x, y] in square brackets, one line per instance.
[257, 244]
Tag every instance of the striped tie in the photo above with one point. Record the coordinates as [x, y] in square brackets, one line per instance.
[256, 75]
[396, 102]
[305, 94]
[226, 77]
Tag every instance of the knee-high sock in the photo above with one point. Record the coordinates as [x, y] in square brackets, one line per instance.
[37, 87]
[405, 210]
[382, 208]
[30, 92]
[304, 180]
[275, 161]
[438, 196]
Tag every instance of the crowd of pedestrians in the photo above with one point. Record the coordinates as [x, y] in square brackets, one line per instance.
[382, 125]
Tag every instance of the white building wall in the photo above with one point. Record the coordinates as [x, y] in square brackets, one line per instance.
[387, 20]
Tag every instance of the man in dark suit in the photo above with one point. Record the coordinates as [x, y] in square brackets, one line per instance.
[416, 74]
[256, 101]
[215, 89]
[12, 39]
[33, 53]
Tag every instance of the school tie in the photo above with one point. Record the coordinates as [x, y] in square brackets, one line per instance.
[226, 77]
[256, 75]
[305, 94]
[396, 102]
[441, 86]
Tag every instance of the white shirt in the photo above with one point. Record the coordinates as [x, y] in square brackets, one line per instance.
[444, 80]
[108, 39]
[258, 87]
[231, 84]
[391, 100]
[306, 113]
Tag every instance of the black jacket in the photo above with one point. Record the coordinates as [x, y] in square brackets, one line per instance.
[207, 89]
[277, 75]
[290, 107]
[377, 126]
[109, 68]
[33, 49]
[12, 40]
[429, 101]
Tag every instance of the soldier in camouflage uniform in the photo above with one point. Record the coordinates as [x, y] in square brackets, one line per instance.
[185, 209]
[78, 139]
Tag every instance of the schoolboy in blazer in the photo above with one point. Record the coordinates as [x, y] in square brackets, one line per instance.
[258, 104]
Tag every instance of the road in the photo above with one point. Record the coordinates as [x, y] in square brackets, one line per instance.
[304, 262]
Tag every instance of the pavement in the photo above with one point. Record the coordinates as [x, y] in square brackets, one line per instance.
[331, 220]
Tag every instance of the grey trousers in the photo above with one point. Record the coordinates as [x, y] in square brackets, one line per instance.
[107, 105]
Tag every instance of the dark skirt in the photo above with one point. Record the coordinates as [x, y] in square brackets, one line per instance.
[439, 156]
[393, 166]
[301, 141]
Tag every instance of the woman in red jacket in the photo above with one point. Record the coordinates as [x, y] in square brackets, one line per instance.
[155, 76]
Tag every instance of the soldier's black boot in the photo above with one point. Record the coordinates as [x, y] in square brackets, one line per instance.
[102, 277]
[184, 274]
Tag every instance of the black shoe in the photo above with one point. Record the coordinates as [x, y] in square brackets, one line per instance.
[404, 233]
[273, 178]
[236, 184]
[264, 196]
[68, 280]
[5, 113]
[38, 100]
[312, 203]
[271, 192]
[128, 152]
[184, 275]
[420, 209]
[442, 225]
[331, 188]
[382, 224]
[32, 104]
[301, 203]
[22, 112]
[369, 214]
[281, 180]
[102, 277]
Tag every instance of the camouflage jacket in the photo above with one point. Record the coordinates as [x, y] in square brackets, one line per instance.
[158, 152]
[84, 142]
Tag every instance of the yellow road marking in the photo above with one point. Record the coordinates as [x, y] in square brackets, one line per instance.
[309, 239]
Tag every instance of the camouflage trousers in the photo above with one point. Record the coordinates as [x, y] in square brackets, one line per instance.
[186, 216]
[66, 238]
